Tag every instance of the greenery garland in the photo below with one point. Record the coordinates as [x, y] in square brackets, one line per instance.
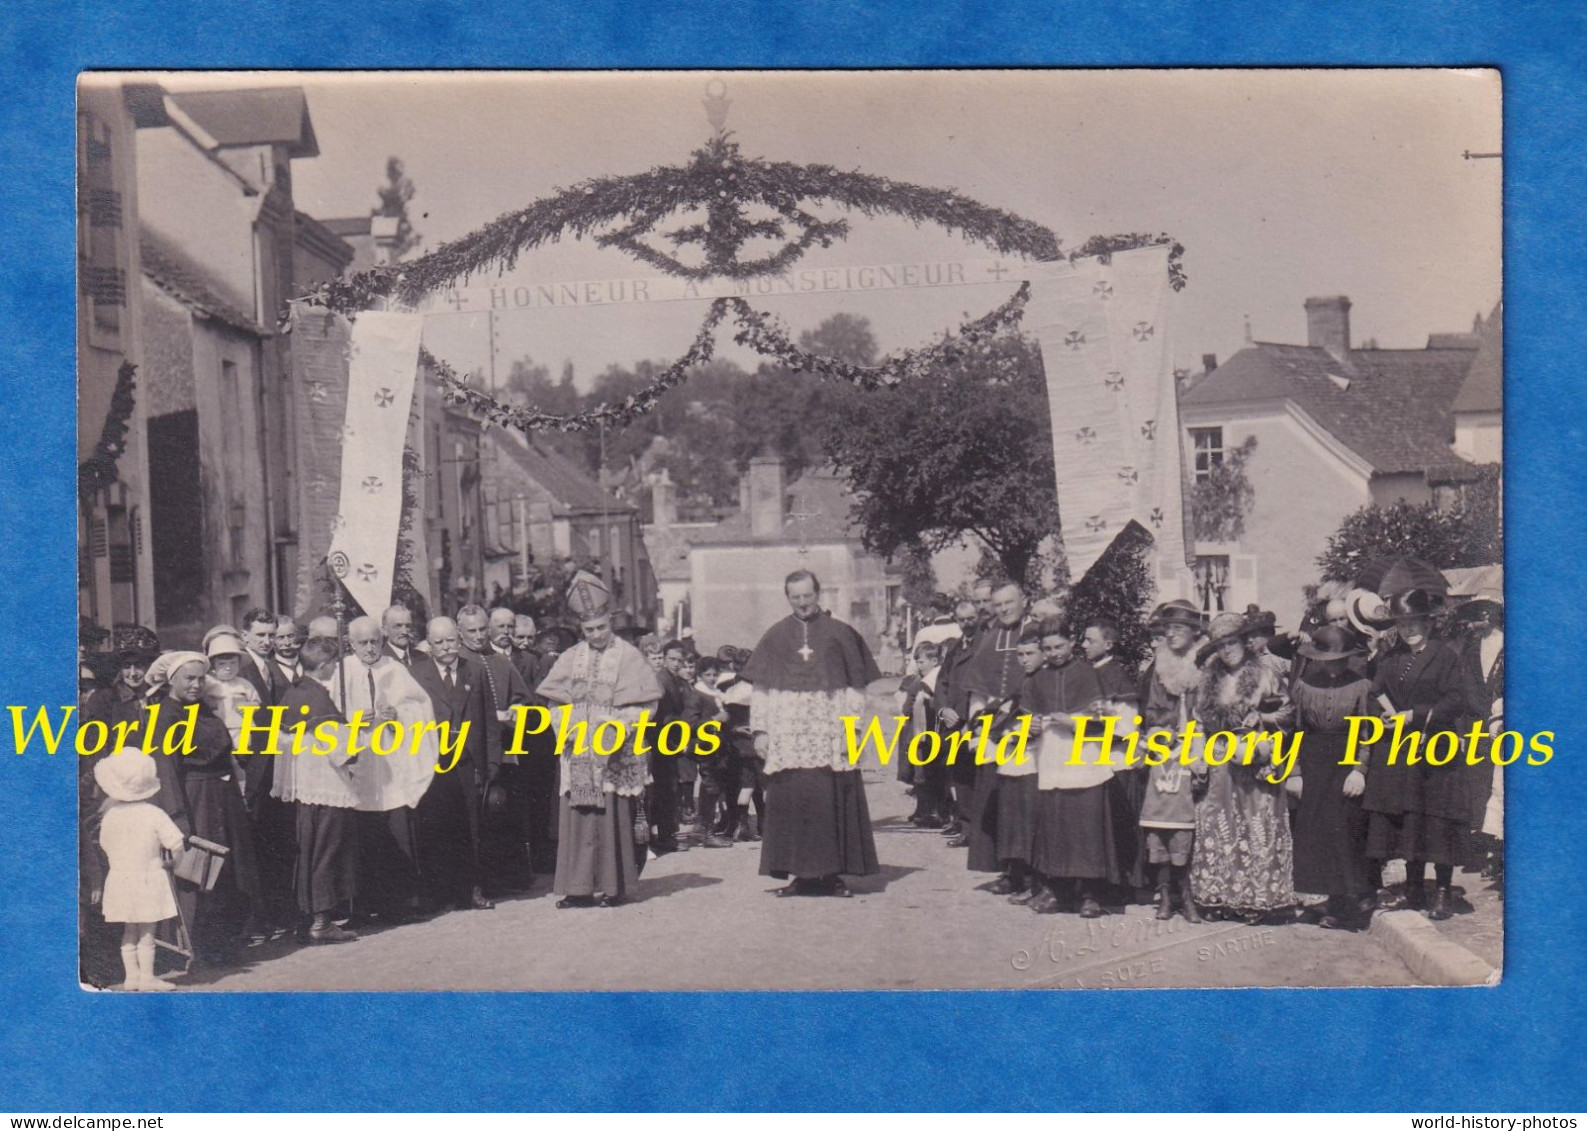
[99, 470]
[757, 329]
[719, 181]
[762, 332]
[613, 413]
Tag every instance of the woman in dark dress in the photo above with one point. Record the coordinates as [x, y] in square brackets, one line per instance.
[1330, 828]
[215, 809]
[1421, 813]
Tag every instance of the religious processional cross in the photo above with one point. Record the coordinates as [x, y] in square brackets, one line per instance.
[803, 517]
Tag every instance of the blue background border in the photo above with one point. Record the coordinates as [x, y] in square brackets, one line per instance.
[1510, 1048]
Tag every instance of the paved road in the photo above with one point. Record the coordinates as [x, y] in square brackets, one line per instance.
[704, 919]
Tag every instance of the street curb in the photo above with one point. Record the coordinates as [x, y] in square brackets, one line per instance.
[1433, 959]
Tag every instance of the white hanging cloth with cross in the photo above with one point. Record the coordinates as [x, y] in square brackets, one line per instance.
[1112, 391]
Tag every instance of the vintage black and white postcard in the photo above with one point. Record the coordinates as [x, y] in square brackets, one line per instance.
[759, 530]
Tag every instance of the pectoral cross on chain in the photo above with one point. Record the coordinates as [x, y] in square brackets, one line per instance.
[805, 651]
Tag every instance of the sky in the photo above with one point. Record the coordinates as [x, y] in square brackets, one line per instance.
[1280, 184]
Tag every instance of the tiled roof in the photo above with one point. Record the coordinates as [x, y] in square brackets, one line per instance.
[668, 549]
[267, 116]
[170, 269]
[819, 494]
[570, 488]
[1483, 389]
[1393, 408]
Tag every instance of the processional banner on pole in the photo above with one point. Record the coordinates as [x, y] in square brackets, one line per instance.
[319, 378]
[383, 360]
[1111, 389]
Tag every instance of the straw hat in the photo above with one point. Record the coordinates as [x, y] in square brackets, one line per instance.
[1224, 627]
[127, 775]
[1366, 612]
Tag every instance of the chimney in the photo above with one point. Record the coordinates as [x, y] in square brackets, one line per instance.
[766, 491]
[1328, 324]
[663, 500]
[1209, 362]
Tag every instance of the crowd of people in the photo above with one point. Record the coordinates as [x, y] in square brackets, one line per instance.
[317, 846]
[313, 845]
[1230, 840]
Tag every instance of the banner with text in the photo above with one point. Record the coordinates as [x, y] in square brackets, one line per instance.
[550, 295]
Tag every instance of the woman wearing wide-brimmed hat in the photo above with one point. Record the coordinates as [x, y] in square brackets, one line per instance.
[1330, 827]
[1420, 813]
[1243, 858]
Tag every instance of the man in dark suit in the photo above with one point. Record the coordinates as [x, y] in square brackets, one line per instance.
[506, 835]
[952, 705]
[538, 770]
[662, 799]
[258, 658]
[449, 814]
[397, 625]
[273, 820]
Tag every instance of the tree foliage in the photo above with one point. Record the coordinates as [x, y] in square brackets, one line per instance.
[1449, 539]
[1118, 586]
[1220, 502]
[967, 450]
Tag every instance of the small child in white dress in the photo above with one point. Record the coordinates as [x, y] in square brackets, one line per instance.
[132, 832]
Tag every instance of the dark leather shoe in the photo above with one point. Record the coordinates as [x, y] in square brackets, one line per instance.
[1005, 885]
[714, 841]
[478, 902]
[1090, 908]
[960, 841]
[1334, 923]
[1165, 903]
[1045, 903]
[1023, 898]
[1442, 904]
[612, 901]
[332, 934]
[568, 902]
